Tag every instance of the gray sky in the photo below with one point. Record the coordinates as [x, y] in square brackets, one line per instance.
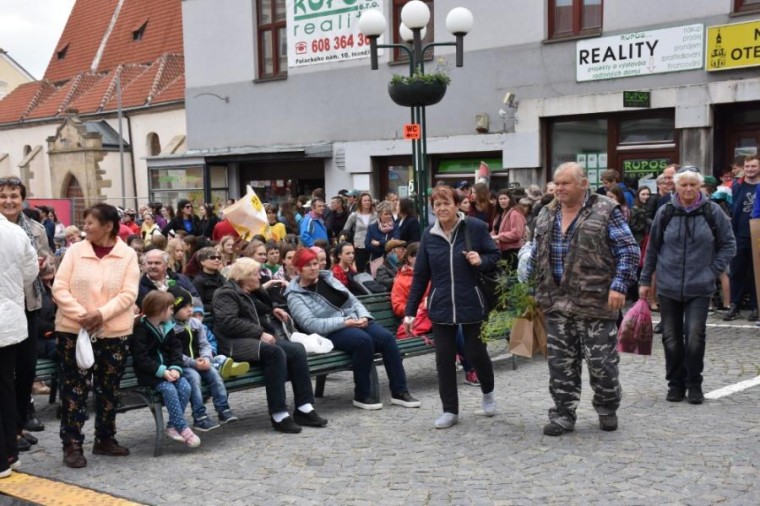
[29, 30]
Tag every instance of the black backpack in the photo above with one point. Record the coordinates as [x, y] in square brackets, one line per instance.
[671, 210]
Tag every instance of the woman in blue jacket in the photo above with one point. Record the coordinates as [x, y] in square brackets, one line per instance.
[381, 231]
[455, 298]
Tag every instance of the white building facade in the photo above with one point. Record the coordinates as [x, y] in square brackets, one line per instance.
[624, 85]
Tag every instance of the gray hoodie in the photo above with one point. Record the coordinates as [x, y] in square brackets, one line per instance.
[688, 260]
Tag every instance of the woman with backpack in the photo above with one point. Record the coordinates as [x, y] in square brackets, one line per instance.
[690, 244]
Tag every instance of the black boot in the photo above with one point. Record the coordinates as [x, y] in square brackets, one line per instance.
[33, 423]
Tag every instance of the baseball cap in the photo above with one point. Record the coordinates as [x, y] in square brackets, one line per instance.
[182, 297]
[352, 193]
[461, 185]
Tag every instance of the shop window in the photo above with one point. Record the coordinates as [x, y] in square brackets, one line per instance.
[400, 55]
[572, 18]
[582, 141]
[272, 40]
[746, 6]
[647, 131]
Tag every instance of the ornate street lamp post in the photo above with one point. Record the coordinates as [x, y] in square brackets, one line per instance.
[415, 16]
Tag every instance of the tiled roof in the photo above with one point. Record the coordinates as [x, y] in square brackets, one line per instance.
[21, 101]
[142, 90]
[99, 95]
[151, 68]
[162, 34]
[90, 24]
[59, 101]
[84, 31]
[161, 82]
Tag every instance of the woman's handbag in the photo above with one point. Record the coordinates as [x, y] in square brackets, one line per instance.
[488, 282]
[313, 343]
[84, 353]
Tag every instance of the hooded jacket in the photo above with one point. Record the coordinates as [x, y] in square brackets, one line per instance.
[314, 314]
[454, 293]
[20, 269]
[688, 261]
[154, 351]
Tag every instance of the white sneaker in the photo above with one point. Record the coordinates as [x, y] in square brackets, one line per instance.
[489, 404]
[446, 420]
[6, 473]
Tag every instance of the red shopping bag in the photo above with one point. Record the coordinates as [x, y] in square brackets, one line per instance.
[635, 333]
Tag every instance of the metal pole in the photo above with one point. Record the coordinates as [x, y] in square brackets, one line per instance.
[121, 142]
[423, 167]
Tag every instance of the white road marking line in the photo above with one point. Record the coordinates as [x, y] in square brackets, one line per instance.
[732, 389]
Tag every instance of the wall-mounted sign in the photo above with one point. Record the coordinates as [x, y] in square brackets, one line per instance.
[645, 166]
[326, 31]
[733, 46]
[640, 53]
[412, 131]
[636, 98]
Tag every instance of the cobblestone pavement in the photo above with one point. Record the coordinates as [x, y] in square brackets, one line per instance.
[663, 453]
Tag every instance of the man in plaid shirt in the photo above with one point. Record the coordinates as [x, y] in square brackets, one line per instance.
[584, 259]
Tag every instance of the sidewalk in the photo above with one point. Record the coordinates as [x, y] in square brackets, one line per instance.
[663, 453]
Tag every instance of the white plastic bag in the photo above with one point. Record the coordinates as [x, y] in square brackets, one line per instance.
[314, 343]
[85, 356]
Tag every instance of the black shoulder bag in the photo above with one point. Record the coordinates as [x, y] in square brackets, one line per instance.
[488, 282]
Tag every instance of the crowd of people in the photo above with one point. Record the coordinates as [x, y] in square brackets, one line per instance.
[141, 283]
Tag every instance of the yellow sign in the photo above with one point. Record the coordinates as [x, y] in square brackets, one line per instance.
[733, 46]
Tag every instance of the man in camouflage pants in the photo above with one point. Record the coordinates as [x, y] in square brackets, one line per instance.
[584, 259]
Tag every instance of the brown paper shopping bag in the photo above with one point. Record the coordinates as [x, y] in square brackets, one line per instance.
[521, 340]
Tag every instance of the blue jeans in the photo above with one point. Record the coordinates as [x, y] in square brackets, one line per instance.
[683, 337]
[218, 393]
[362, 345]
[176, 395]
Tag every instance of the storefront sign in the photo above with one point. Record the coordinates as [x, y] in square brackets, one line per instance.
[636, 98]
[640, 53]
[321, 31]
[733, 46]
[655, 165]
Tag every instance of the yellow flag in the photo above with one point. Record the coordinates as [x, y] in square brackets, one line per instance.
[247, 215]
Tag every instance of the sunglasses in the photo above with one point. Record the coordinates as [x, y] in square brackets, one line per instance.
[13, 181]
[189, 206]
[215, 257]
[688, 168]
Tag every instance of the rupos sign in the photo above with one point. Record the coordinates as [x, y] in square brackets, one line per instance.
[321, 31]
[640, 53]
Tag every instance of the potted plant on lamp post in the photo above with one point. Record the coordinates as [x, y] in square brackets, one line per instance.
[418, 89]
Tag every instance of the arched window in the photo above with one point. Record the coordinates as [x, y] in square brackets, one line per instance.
[153, 144]
[74, 192]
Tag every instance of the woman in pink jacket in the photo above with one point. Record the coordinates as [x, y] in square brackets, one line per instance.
[95, 289]
[509, 228]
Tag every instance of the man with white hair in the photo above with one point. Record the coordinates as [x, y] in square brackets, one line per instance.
[158, 277]
[584, 259]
